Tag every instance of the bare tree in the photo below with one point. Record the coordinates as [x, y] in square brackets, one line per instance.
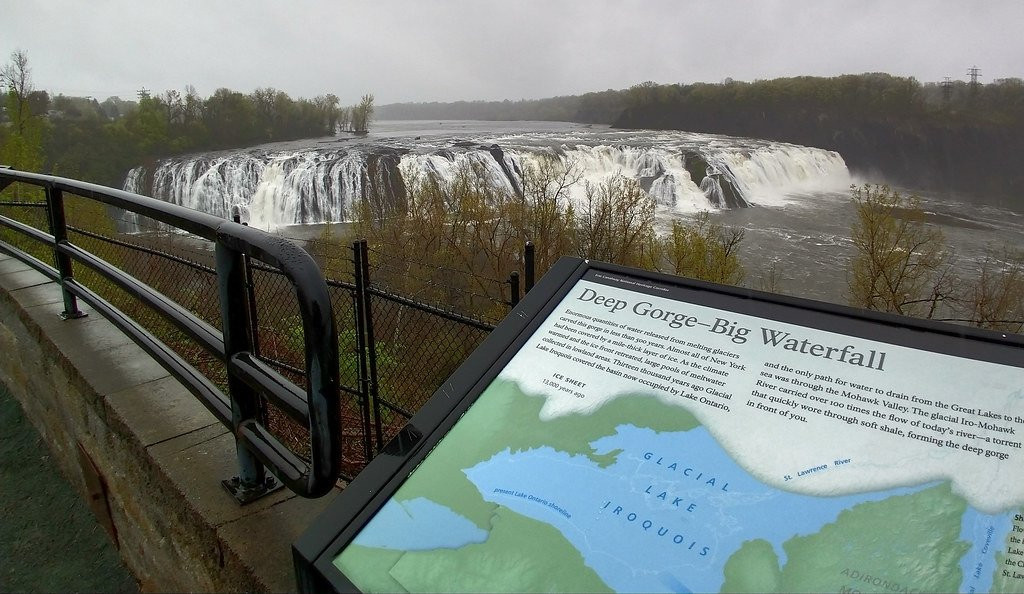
[22, 145]
[174, 104]
[362, 114]
[615, 223]
[344, 118]
[193, 106]
[548, 213]
[901, 264]
[704, 250]
[16, 77]
[770, 280]
[996, 299]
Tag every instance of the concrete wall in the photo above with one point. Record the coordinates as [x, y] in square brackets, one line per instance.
[140, 449]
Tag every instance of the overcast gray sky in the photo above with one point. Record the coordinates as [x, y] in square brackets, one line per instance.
[481, 49]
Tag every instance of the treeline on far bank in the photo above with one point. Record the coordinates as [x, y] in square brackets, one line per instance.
[958, 137]
[962, 137]
[86, 143]
[80, 137]
[602, 107]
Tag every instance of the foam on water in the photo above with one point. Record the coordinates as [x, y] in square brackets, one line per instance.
[292, 184]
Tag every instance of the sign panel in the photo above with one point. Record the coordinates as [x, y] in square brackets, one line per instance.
[655, 436]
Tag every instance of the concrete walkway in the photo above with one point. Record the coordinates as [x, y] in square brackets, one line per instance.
[49, 540]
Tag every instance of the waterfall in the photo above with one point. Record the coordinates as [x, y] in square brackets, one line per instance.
[134, 182]
[269, 189]
[273, 188]
[774, 172]
[712, 188]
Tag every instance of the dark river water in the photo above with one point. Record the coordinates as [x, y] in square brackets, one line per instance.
[799, 216]
[809, 238]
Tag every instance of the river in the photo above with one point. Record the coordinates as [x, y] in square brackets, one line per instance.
[793, 201]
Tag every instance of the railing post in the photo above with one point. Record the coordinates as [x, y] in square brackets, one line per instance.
[364, 375]
[59, 230]
[252, 481]
[250, 288]
[513, 283]
[371, 344]
[5, 181]
[529, 265]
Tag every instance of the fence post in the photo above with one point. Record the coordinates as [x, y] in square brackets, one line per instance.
[364, 379]
[513, 283]
[529, 260]
[252, 481]
[371, 344]
[59, 230]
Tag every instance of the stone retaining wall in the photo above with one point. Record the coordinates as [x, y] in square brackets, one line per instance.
[145, 454]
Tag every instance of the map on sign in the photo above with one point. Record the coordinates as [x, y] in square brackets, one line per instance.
[639, 442]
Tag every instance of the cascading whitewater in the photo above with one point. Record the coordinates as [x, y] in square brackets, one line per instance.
[273, 188]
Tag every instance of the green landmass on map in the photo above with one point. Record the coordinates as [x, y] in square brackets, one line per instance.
[754, 567]
[506, 418]
[520, 555]
[906, 542]
[370, 568]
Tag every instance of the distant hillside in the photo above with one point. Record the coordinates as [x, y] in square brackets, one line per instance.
[961, 137]
[966, 138]
[591, 108]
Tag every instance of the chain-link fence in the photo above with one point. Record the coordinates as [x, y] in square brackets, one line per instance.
[178, 265]
[26, 205]
[468, 292]
[396, 345]
[404, 346]
[186, 287]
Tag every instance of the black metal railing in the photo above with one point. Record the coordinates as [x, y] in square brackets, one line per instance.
[403, 325]
[240, 400]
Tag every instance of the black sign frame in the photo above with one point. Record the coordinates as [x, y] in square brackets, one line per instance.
[315, 551]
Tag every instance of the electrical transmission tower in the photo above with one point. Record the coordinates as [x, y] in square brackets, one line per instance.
[947, 89]
[974, 73]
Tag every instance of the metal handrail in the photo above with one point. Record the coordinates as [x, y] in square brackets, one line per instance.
[249, 381]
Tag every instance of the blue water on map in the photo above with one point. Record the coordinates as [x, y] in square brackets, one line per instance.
[645, 525]
[987, 535]
[665, 516]
[418, 525]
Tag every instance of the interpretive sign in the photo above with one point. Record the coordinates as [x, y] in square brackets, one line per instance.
[628, 431]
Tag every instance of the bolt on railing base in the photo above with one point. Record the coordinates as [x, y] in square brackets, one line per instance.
[72, 315]
[244, 494]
